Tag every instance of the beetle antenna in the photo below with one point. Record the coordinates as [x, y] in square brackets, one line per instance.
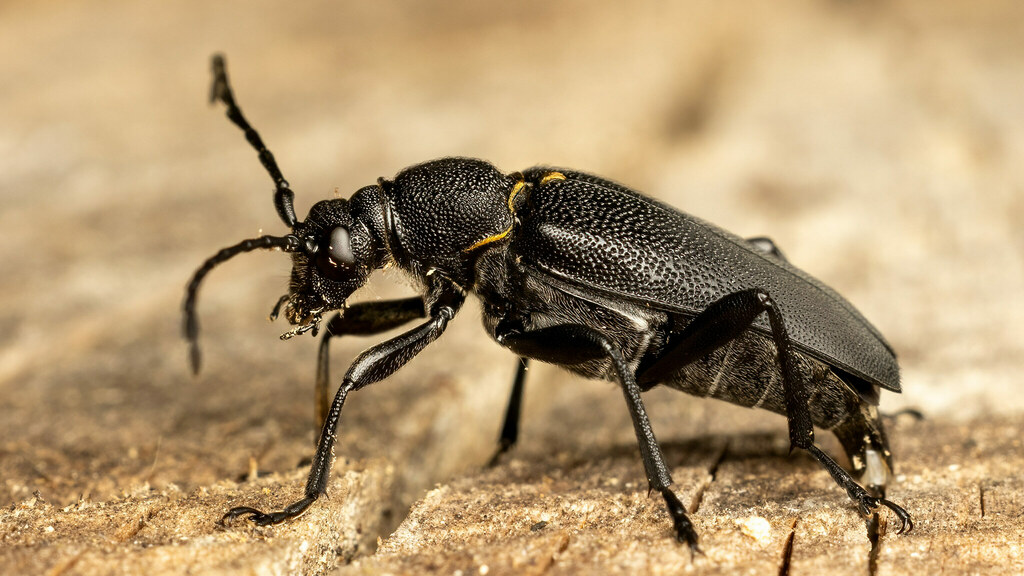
[221, 90]
[287, 243]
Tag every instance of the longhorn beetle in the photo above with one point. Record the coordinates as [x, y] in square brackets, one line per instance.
[578, 271]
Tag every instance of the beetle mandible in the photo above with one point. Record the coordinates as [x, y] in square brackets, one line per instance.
[578, 271]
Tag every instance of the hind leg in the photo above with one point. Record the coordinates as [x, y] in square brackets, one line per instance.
[723, 321]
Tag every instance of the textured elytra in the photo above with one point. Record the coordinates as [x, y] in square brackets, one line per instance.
[604, 236]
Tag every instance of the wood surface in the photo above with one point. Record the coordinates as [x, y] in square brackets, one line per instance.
[878, 143]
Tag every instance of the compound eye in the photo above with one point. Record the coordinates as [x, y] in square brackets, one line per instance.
[340, 248]
[337, 261]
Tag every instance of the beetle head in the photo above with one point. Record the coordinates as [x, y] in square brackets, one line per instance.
[337, 254]
[333, 252]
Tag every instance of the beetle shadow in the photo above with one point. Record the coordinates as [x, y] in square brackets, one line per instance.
[705, 449]
[711, 450]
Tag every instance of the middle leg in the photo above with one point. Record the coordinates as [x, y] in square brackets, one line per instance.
[510, 428]
[573, 344]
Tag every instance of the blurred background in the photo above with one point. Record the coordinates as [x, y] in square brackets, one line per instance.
[878, 143]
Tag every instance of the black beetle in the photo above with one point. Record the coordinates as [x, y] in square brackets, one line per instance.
[587, 274]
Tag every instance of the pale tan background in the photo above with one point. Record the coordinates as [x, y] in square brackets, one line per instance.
[879, 143]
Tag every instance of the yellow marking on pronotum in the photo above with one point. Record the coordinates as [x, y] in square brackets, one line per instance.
[512, 197]
[519, 185]
[551, 176]
[490, 239]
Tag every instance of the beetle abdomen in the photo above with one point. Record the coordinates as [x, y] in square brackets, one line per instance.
[746, 372]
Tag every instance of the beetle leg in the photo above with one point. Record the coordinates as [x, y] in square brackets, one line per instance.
[362, 319]
[767, 246]
[719, 324]
[801, 430]
[865, 502]
[510, 428]
[573, 344]
[724, 320]
[371, 366]
[913, 413]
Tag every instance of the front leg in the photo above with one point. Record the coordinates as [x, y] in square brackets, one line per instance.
[371, 366]
[573, 344]
[362, 319]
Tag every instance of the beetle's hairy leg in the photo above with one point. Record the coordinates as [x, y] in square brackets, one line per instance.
[574, 343]
[323, 374]
[865, 501]
[801, 429]
[510, 427]
[658, 475]
[371, 366]
[316, 484]
[362, 319]
[717, 325]
[722, 322]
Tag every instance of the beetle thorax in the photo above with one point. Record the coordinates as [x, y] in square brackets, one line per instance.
[444, 212]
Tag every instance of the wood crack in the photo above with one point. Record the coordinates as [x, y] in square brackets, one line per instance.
[787, 550]
[698, 496]
[876, 529]
[981, 499]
